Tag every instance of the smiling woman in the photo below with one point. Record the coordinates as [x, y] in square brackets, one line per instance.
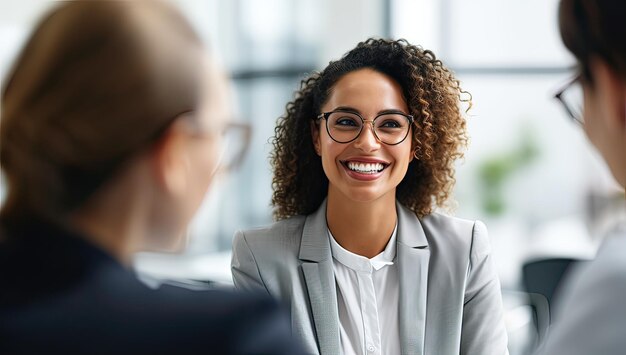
[379, 164]
[361, 159]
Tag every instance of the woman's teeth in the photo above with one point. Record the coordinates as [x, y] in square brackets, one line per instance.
[365, 168]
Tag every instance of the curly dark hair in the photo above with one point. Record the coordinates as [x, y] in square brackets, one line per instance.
[434, 97]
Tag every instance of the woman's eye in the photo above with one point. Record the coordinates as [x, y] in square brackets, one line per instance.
[390, 124]
[346, 122]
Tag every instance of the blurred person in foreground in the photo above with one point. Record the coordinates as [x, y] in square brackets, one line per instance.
[114, 118]
[591, 318]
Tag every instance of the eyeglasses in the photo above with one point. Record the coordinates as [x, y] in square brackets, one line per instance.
[344, 126]
[234, 140]
[571, 96]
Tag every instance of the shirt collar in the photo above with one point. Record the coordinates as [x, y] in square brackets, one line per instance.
[361, 263]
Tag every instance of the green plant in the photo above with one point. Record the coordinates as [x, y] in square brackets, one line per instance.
[495, 170]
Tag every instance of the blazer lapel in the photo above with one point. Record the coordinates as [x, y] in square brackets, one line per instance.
[413, 257]
[317, 267]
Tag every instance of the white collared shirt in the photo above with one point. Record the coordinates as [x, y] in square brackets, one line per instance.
[367, 300]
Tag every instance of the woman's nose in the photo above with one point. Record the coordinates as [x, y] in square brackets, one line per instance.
[367, 140]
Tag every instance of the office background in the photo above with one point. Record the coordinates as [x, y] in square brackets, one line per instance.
[529, 172]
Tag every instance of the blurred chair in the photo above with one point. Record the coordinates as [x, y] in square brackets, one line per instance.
[526, 319]
[541, 315]
[544, 276]
[541, 280]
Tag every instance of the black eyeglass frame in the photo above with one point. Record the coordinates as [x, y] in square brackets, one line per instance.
[325, 115]
[559, 96]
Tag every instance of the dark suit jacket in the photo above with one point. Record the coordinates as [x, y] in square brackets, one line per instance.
[60, 294]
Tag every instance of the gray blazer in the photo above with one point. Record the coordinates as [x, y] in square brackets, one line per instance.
[590, 315]
[450, 300]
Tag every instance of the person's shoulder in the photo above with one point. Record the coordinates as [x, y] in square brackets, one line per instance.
[458, 233]
[592, 298]
[243, 322]
[271, 246]
[228, 303]
[208, 308]
[448, 222]
[287, 231]
[613, 247]
[609, 266]
[213, 320]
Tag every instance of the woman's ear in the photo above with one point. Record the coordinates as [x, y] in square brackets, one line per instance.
[611, 89]
[315, 136]
[171, 161]
[414, 148]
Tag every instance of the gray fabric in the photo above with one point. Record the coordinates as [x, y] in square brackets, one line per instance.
[591, 315]
[450, 300]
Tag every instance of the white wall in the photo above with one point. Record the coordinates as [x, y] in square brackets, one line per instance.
[509, 55]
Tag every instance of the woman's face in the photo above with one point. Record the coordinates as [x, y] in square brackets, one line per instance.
[206, 146]
[365, 169]
[604, 112]
[195, 159]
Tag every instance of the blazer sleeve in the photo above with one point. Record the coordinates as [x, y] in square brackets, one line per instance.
[243, 266]
[483, 330]
[594, 321]
[590, 314]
